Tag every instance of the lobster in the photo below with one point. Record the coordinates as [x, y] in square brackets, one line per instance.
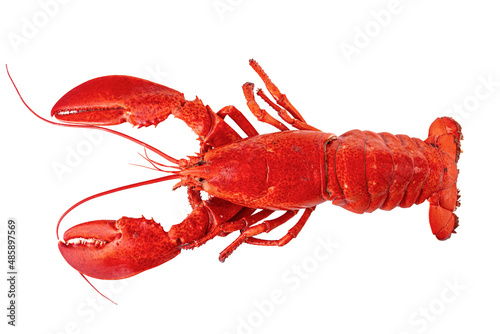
[248, 179]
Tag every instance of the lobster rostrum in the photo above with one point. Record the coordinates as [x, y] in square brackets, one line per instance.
[247, 179]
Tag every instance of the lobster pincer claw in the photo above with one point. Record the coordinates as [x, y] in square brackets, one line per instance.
[116, 99]
[116, 249]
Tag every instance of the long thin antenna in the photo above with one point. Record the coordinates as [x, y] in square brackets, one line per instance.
[99, 292]
[128, 186]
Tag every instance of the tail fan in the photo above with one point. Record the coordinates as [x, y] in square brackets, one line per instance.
[445, 134]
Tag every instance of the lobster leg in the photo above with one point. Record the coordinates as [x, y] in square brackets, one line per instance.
[291, 234]
[263, 116]
[235, 225]
[284, 114]
[275, 92]
[239, 119]
[259, 113]
[266, 226]
[248, 234]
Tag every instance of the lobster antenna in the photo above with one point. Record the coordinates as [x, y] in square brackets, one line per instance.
[87, 126]
[99, 292]
[107, 192]
[156, 163]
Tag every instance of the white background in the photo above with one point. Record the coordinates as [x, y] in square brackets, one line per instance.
[387, 273]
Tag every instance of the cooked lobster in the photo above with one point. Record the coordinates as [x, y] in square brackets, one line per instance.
[247, 179]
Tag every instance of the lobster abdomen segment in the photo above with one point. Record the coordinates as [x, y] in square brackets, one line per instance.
[360, 169]
[403, 170]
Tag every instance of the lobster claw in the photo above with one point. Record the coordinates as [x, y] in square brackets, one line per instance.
[116, 249]
[116, 99]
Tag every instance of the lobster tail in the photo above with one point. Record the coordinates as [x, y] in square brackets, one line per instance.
[368, 171]
[445, 135]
